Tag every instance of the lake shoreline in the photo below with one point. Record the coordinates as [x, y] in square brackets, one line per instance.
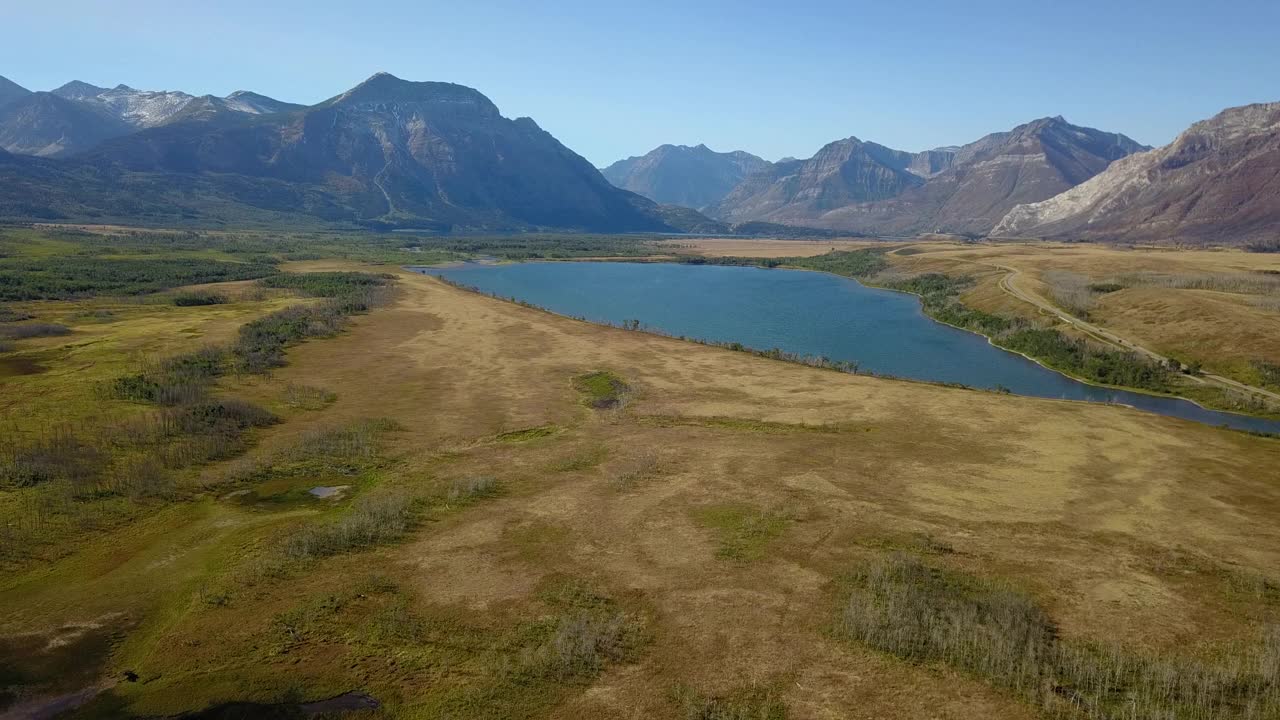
[799, 358]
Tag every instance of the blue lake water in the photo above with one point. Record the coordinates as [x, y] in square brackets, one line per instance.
[801, 312]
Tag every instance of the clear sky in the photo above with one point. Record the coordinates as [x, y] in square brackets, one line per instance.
[614, 79]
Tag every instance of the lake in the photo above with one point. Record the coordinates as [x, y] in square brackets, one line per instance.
[802, 312]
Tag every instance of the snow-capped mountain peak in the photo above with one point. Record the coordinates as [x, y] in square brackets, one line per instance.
[149, 108]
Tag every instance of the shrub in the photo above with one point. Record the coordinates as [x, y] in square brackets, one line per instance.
[307, 397]
[1080, 357]
[62, 454]
[158, 390]
[919, 613]
[580, 645]
[8, 315]
[1248, 283]
[261, 343]
[145, 477]
[357, 441]
[469, 488]
[373, 520]
[1263, 246]
[327, 284]
[61, 278]
[174, 381]
[194, 299]
[850, 263]
[1269, 372]
[228, 417]
[1070, 291]
[634, 469]
[913, 611]
[33, 330]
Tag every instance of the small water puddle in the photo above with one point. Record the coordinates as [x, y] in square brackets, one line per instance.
[330, 492]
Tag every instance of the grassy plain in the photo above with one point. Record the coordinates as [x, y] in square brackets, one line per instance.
[549, 519]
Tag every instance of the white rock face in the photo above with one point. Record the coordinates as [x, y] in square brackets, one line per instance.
[1133, 180]
[149, 108]
[143, 108]
[1090, 199]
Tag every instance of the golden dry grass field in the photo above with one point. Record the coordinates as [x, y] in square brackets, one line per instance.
[705, 525]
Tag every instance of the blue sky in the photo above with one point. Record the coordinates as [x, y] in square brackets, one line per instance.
[616, 79]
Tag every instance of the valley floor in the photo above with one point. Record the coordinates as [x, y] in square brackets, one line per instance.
[698, 530]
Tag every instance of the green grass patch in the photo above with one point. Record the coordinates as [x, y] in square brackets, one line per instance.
[743, 532]
[345, 455]
[601, 389]
[584, 459]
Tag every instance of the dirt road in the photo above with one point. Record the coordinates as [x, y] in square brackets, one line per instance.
[1009, 284]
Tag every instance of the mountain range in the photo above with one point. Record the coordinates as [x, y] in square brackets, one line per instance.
[867, 188]
[1218, 181]
[390, 153]
[78, 116]
[681, 175]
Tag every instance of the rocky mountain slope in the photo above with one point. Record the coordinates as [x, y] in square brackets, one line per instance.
[841, 173]
[138, 108]
[1218, 181]
[48, 125]
[389, 152]
[868, 188]
[11, 91]
[693, 177]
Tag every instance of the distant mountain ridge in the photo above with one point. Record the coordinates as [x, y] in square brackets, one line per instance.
[693, 177]
[868, 188]
[78, 116]
[389, 152]
[11, 91]
[1219, 179]
[49, 125]
[841, 173]
[150, 108]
